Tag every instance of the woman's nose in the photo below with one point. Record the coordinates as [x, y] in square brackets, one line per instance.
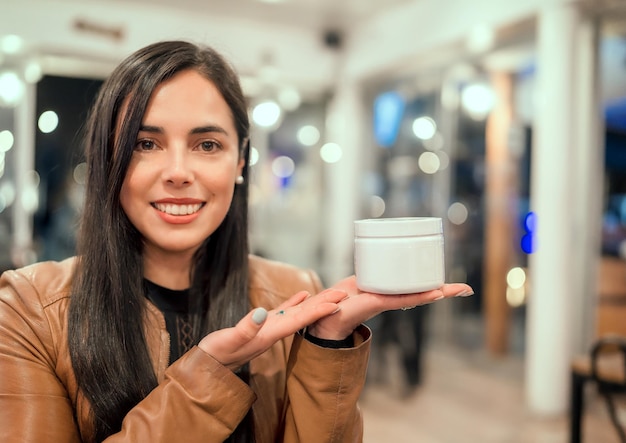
[178, 168]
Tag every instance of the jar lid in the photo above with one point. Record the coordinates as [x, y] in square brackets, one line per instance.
[398, 227]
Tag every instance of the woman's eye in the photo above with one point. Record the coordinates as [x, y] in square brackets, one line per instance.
[145, 145]
[208, 146]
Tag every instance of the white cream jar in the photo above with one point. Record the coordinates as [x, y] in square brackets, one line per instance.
[399, 255]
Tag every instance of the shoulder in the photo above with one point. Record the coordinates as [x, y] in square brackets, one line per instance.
[47, 281]
[272, 282]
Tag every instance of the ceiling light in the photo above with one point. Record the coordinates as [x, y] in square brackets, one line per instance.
[266, 114]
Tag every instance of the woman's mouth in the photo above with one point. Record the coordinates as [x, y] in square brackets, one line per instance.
[173, 209]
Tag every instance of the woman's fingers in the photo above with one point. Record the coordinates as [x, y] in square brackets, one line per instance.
[348, 285]
[457, 290]
[284, 321]
[448, 290]
[260, 329]
[259, 315]
[294, 300]
[224, 342]
[310, 308]
[334, 294]
[391, 302]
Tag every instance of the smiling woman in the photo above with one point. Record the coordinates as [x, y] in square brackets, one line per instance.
[163, 324]
[183, 169]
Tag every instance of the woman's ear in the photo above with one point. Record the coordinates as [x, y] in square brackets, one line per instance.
[243, 155]
[240, 165]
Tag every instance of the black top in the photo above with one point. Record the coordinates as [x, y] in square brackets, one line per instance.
[174, 304]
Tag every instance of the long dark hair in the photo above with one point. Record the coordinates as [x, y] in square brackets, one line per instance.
[106, 339]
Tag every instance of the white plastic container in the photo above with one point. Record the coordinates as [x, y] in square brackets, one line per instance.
[399, 255]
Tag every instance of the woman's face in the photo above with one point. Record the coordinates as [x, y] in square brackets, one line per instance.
[181, 179]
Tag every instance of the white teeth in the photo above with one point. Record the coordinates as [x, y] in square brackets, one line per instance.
[178, 209]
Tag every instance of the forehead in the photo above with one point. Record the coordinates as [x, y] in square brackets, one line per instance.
[188, 94]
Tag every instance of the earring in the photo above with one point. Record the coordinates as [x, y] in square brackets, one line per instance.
[239, 180]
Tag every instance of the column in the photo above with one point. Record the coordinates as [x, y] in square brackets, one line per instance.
[500, 213]
[23, 164]
[557, 176]
[588, 185]
[346, 127]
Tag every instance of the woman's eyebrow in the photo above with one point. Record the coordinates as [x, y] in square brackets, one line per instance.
[198, 130]
[208, 128]
[153, 129]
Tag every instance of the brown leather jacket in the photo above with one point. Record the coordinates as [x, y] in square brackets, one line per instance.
[301, 392]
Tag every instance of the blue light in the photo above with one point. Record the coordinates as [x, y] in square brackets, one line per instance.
[530, 222]
[529, 241]
[388, 110]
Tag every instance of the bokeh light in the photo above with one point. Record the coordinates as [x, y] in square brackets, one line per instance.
[283, 166]
[376, 206]
[478, 100]
[429, 162]
[457, 213]
[331, 153]
[33, 72]
[516, 278]
[7, 191]
[444, 160]
[528, 242]
[289, 98]
[30, 194]
[388, 111]
[6, 140]
[516, 287]
[11, 44]
[424, 128]
[80, 173]
[308, 135]
[254, 156]
[266, 114]
[12, 88]
[515, 297]
[48, 121]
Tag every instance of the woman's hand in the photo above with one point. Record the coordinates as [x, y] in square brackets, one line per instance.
[260, 329]
[360, 306]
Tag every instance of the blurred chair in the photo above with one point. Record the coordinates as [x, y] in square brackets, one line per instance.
[604, 366]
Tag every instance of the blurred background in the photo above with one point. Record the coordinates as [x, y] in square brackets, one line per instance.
[508, 120]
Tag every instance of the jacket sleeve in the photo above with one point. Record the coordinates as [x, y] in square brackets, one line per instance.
[189, 404]
[323, 388]
[36, 405]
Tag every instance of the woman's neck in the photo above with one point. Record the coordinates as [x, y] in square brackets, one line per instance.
[171, 271]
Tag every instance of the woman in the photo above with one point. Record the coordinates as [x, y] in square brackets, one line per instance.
[164, 328]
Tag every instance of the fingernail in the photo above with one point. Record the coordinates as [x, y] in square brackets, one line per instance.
[438, 298]
[259, 315]
[336, 310]
[464, 294]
